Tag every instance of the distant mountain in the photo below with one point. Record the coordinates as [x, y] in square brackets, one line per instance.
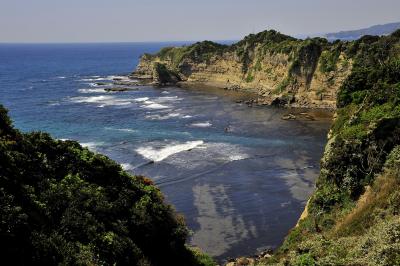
[384, 29]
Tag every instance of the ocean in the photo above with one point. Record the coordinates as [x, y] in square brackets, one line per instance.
[241, 176]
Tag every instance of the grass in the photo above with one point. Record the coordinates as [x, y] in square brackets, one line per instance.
[361, 218]
[329, 59]
[201, 258]
[283, 85]
[250, 77]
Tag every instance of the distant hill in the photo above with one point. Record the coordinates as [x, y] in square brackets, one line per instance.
[384, 29]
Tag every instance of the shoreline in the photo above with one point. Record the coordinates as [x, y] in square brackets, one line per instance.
[319, 114]
[252, 98]
[259, 100]
[299, 113]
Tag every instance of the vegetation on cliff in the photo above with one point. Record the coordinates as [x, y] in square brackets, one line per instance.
[62, 204]
[198, 52]
[353, 216]
[281, 68]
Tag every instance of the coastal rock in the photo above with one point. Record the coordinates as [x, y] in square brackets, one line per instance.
[233, 88]
[242, 261]
[163, 75]
[282, 70]
[298, 116]
[289, 117]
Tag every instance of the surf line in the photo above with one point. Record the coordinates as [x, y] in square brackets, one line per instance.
[153, 161]
[143, 164]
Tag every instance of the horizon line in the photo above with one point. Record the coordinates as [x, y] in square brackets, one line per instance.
[113, 42]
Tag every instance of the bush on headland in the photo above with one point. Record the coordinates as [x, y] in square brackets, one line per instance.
[62, 204]
[353, 216]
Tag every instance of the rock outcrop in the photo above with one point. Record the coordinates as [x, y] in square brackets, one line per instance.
[281, 69]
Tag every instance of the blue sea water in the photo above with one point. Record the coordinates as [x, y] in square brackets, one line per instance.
[240, 175]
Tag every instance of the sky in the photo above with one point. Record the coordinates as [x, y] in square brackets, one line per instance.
[183, 20]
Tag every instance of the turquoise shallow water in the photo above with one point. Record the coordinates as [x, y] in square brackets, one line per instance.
[240, 175]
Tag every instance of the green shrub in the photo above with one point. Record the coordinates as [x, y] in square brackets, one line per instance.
[305, 260]
[250, 77]
[329, 59]
[198, 52]
[283, 85]
[357, 131]
[202, 259]
[62, 204]
[393, 159]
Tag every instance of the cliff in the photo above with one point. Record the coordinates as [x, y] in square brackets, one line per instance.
[281, 69]
[353, 216]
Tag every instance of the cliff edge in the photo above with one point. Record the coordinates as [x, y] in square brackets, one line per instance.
[282, 70]
[353, 217]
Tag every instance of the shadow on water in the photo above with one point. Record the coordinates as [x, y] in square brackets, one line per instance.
[239, 207]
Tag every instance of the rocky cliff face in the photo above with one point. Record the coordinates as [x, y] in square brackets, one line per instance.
[353, 216]
[281, 69]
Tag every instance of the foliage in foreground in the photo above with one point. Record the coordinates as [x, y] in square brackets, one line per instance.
[62, 204]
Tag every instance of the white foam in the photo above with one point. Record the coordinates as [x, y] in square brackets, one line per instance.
[127, 166]
[165, 117]
[128, 130]
[112, 77]
[168, 98]
[93, 79]
[61, 77]
[165, 92]
[100, 90]
[91, 145]
[237, 157]
[157, 103]
[143, 99]
[158, 155]
[201, 124]
[102, 100]
[153, 105]
[109, 78]
[225, 151]
[212, 153]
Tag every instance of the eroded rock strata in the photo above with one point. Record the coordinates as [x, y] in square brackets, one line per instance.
[281, 69]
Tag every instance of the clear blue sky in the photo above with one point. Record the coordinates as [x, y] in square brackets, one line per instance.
[163, 20]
